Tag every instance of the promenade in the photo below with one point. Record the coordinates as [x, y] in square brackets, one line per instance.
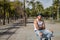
[15, 31]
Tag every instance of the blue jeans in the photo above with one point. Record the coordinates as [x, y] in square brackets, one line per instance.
[46, 34]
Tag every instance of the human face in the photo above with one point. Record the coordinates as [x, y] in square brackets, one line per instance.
[39, 17]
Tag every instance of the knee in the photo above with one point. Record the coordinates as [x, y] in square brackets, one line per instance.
[40, 34]
[50, 32]
[49, 35]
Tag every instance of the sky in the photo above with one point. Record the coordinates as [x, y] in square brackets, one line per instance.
[45, 3]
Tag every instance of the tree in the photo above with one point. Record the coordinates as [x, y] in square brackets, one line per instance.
[39, 7]
[36, 7]
[8, 9]
[56, 5]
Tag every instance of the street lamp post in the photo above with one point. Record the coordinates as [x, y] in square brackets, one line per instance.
[24, 14]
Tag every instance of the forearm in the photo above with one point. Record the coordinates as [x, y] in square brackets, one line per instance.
[43, 27]
[37, 28]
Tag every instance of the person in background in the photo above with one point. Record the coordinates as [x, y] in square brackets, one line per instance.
[40, 29]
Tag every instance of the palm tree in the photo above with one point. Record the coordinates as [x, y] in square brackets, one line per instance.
[32, 3]
[39, 7]
[36, 7]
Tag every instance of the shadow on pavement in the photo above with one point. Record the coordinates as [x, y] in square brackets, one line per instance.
[6, 33]
[10, 30]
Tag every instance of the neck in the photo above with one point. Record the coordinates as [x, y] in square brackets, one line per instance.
[39, 19]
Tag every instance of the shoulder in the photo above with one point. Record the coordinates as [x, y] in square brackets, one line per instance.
[35, 21]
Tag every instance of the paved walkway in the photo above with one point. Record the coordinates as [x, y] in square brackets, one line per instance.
[17, 32]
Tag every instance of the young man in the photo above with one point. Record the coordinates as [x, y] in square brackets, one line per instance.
[40, 30]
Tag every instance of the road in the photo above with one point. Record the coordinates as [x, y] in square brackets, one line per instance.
[17, 32]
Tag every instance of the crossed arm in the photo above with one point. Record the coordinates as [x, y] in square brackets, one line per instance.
[37, 27]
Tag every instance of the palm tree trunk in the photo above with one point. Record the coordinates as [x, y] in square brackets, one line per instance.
[58, 14]
[4, 14]
[8, 20]
[4, 18]
[58, 10]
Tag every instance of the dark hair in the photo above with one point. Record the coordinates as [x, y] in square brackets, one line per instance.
[39, 14]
